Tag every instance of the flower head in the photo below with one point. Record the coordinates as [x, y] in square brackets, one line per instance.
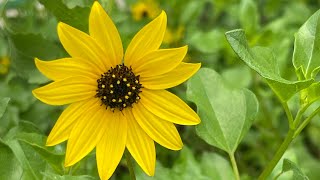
[117, 100]
[145, 9]
[4, 65]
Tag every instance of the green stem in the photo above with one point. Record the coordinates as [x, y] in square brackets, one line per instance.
[289, 114]
[299, 115]
[234, 166]
[130, 166]
[306, 122]
[274, 161]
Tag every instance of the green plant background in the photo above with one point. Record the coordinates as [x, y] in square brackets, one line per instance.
[28, 30]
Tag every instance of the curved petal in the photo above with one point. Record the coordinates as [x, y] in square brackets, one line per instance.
[159, 62]
[67, 67]
[148, 39]
[140, 145]
[80, 44]
[106, 34]
[63, 127]
[111, 147]
[168, 106]
[171, 79]
[87, 132]
[66, 91]
[161, 131]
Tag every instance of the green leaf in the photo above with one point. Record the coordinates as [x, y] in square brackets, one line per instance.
[249, 16]
[28, 171]
[296, 174]
[25, 47]
[216, 167]
[76, 17]
[10, 167]
[3, 105]
[226, 113]
[204, 41]
[37, 142]
[306, 53]
[67, 177]
[263, 61]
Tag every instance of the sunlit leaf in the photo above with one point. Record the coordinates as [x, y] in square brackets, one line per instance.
[216, 167]
[306, 47]
[205, 41]
[249, 16]
[226, 113]
[292, 171]
[263, 61]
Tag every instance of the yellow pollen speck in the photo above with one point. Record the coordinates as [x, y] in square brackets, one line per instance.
[133, 88]
[136, 81]
[128, 84]
[124, 79]
[120, 100]
[103, 86]
[124, 104]
[111, 86]
[138, 98]
[114, 100]
[104, 97]
[111, 92]
[118, 82]
[127, 97]
[113, 75]
[129, 93]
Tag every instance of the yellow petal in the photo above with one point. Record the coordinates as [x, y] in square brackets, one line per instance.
[63, 127]
[111, 147]
[161, 131]
[79, 44]
[66, 91]
[106, 34]
[159, 62]
[148, 39]
[168, 106]
[67, 67]
[173, 78]
[87, 133]
[140, 145]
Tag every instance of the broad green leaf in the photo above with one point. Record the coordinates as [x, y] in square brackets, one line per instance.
[203, 41]
[37, 142]
[25, 47]
[3, 105]
[9, 166]
[28, 171]
[249, 16]
[67, 177]
[263, 61]
[216, 167]
[187, 167]
[76, 17]
[306, 53]
[292, 171]
[226, 113]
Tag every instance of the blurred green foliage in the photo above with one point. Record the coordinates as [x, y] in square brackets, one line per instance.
[28, 30]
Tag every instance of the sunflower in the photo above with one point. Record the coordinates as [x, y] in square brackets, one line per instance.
[145, 9]
[116, 100]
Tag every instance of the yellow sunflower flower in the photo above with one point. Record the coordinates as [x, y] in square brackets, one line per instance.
[117, 100]
[4, 65]
[145, 9]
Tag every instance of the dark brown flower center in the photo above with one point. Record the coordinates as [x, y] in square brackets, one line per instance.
[118, 88]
